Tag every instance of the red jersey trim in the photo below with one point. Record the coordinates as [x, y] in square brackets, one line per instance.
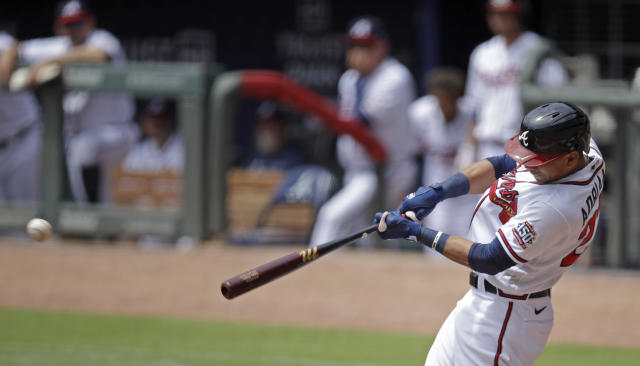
[477, 208]
[506, 244]
[502, 332]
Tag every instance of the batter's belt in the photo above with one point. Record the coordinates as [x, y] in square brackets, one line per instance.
[488, 287]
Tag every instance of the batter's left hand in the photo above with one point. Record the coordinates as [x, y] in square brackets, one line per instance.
[422, 201]
[393, 225]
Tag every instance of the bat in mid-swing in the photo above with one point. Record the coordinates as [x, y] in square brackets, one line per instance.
[277, 268]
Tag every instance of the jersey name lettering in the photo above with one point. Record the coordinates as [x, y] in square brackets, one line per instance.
[592, 199]
[505, 196]
[590, 228]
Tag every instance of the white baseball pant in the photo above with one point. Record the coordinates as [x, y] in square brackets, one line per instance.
[486, 329]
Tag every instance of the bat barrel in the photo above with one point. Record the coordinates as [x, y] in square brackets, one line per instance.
[258, 276]
[268, 272]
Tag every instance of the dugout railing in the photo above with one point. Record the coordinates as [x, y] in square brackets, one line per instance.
[189, 84]
[621, 230]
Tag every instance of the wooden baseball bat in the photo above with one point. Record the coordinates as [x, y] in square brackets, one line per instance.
[277, 268]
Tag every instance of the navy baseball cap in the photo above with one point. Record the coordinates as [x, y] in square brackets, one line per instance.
[366, 30]
[71, 11]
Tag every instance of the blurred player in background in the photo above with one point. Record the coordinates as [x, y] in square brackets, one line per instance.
[273, 148]
[98, 127]
[162, 148]
[439, 120]
[494, 74]
[20, 135]
[375, 90]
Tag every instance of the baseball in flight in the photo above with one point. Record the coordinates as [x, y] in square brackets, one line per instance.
[39, 229]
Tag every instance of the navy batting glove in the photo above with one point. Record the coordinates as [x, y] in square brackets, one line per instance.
[422, 201]
[393, 225]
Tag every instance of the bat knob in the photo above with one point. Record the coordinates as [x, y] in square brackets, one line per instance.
[411, 215]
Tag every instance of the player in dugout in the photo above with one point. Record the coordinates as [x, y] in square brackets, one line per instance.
[98, 127]
[376, 91]
[538, 213]
[493, 76]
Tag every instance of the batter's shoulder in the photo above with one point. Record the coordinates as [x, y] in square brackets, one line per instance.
[564, 199]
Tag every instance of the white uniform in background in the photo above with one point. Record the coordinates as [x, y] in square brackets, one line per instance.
[98, 127]
[386, 95]
[20, 142]
[492, 85]
[440, 142]
[148, 157]
[543, 228]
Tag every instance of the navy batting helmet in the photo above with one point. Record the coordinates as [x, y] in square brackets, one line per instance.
[548, 132]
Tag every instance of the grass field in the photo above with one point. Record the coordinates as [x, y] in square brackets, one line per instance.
[29, 337]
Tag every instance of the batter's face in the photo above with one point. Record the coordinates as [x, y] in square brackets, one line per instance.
[558, 168]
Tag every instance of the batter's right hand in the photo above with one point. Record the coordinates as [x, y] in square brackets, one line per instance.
[422, 201]
[392, 225]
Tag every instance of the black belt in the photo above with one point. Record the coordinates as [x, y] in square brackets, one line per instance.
[473, 281]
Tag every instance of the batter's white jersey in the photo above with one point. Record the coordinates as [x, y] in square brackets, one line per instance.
[492, 84]
[440, 141]
[543, 227]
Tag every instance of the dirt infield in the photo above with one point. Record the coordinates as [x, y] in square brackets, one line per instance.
[378, 290]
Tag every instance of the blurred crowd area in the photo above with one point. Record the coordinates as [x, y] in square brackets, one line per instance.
[461, 63]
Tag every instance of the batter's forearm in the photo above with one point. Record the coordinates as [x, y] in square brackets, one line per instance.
[457, 249]
[487, 258]
[481, 175]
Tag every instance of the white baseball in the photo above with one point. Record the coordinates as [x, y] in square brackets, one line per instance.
[39, 229]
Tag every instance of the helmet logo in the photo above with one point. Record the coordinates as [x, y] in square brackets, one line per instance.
[524, 139]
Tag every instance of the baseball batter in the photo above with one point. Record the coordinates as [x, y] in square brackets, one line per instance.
[537, 215]
[98, 127]
[20, 137]
[376, 90]
[494, 75]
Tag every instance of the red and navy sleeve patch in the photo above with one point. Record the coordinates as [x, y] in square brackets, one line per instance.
[524, 234]
[509, 248]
